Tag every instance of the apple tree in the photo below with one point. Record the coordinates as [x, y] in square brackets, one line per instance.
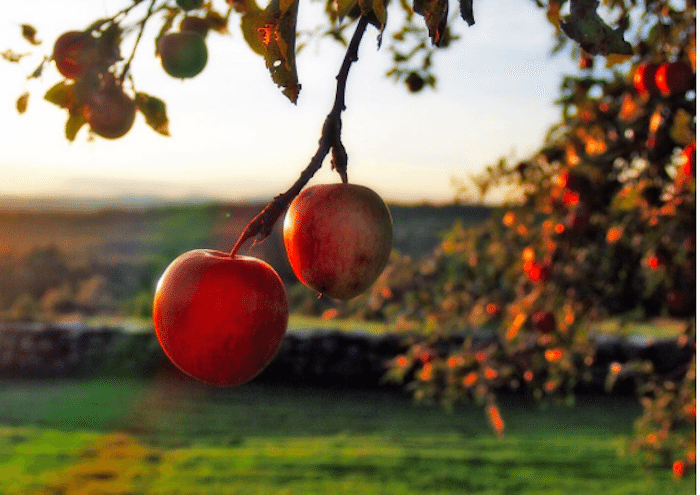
[606, 221]
[603, 230]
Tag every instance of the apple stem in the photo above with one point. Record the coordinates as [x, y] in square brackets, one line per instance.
[261, 225]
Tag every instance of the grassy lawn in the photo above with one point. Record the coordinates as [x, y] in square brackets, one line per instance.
[169, 435]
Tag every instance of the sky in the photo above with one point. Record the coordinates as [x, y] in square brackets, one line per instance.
[234, 136]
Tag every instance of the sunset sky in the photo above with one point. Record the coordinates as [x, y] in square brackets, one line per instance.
[235, 136]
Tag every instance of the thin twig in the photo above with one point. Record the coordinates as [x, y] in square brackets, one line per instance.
[264, 221]
[138, 39]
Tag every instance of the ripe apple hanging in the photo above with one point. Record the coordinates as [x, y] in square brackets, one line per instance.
[220, 318]
[338, 238]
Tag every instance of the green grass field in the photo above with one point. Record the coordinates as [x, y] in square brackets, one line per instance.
[169, 435]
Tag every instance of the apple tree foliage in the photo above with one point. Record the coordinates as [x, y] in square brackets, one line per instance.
[604, 230]
[606, 222]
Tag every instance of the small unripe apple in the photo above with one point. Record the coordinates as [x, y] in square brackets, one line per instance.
[338, 238]
[183, 54]
[220, 318]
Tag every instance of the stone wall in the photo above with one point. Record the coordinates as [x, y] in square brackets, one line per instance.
[322, 358]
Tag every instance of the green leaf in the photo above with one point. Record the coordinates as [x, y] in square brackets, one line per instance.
[73, 124]
[252, 27]
[681, 129]
[216, 21]
[466, 9]
[435, 14]
[21, 103]
[29, 34]
[272, 33]
[153, 109]
[585, 26]
[375, 11]
[62, 94]
[337, 9]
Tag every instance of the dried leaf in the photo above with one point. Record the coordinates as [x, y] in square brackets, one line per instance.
[12, 56]
[272, 33]
[153, 109]
[22, 102]
[554, 14]
[435, 14]
[29, 34]
[466, 9]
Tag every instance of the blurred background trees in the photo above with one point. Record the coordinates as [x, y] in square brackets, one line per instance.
[603, 229]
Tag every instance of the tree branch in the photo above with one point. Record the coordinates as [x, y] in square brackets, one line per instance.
[142, 26]
[330, 141]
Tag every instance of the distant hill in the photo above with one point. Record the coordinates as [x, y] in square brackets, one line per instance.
[127, 220]
[418, 228]
[104, 256]
[70, 203]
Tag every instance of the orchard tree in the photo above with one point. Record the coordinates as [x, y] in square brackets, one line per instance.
[606, 224]
[605, 228]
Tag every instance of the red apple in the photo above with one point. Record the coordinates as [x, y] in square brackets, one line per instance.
[577, 221]
[536, 271]
[643, 78]
[678, 303]
[74, 52]
[109, 111]
[688, 160]
[544, 321]
[338, 238]
[220, 318]
[426, 356]
[585, 61]
[674, 78]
